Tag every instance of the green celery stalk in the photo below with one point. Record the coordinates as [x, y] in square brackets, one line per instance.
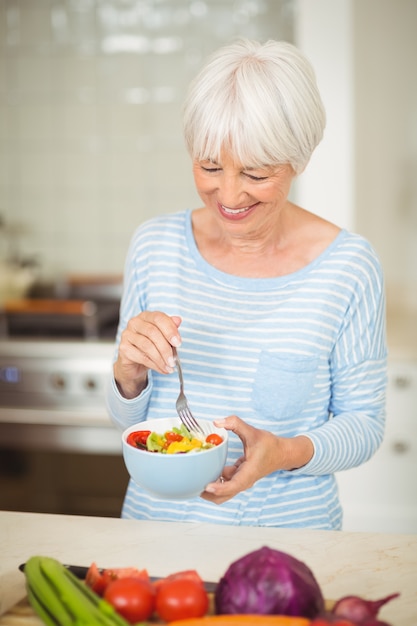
[57, 595]
[41, 610]
[43, 595]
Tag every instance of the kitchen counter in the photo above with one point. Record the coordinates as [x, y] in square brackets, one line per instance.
[368, 564]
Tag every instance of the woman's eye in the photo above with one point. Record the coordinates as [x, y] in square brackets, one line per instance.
[252, 177]
[210, 169]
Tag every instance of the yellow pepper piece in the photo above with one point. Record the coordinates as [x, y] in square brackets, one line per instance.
[183, 446]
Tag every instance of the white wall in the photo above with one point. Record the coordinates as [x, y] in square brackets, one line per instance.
[364, 174]
[323, 30]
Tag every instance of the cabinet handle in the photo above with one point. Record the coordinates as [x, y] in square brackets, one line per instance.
[402, 382]
[400, 447]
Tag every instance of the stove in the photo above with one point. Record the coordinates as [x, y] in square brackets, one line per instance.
[45, 374]
[52, 395]
[56, 349]
[56, 438]
[59, 451]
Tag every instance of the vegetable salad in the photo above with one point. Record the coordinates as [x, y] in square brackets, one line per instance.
[174, 441]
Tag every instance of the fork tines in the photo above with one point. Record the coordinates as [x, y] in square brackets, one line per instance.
[191, 423]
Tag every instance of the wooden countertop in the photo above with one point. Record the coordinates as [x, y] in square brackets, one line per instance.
[368, 564]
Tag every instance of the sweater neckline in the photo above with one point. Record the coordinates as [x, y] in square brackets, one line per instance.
[252, 284]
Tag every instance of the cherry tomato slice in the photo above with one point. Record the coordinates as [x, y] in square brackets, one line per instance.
[98, 580]
[189, 574]
[171, 436]
[138, 438]
[214, 439]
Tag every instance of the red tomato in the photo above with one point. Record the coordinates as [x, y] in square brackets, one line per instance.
[181, 598]
[138, 438]
[98, 580]
[214, 439]
[171, 436]
[133, 598]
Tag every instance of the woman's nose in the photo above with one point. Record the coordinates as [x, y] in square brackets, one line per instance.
[232, 191]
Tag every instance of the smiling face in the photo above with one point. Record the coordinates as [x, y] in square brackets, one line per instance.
[243, 199]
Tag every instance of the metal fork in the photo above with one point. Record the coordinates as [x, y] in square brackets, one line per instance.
[183, 409]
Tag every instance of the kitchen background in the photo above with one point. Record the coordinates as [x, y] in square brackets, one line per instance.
[91, 145]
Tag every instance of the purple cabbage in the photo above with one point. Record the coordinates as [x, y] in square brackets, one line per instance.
[269, 582]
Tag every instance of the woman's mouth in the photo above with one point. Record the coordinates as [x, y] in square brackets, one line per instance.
[238, 212]
[234, 211]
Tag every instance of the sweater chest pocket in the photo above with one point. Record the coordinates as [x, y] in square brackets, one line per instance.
[283, 385]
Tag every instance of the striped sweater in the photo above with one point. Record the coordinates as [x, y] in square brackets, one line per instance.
[298, 354]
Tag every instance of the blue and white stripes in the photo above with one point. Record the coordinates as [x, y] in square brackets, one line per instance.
[303, 353]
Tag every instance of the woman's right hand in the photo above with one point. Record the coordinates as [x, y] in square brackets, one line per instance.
[146, 343]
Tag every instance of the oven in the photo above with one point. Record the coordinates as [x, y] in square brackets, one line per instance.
[59, 452]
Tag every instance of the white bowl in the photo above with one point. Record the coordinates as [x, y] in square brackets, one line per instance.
[174, 476]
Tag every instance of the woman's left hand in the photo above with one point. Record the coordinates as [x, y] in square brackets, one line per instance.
[263, 453]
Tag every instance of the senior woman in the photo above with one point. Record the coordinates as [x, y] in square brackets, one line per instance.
[279, 314]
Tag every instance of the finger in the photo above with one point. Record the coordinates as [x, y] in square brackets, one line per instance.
[177, 320]
[228, 484]
[144, 342]
[232, 422]
[135, 349]
[217, 495]
[164, 324]
[230, 470]
[221, 491]
[237, 426]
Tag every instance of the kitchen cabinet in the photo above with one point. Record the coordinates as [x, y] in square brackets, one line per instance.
[48, 481]
[381, 495]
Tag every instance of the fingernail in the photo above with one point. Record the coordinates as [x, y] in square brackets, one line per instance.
[169, 370]
[171, 362]
[210, 489]
[175, 342]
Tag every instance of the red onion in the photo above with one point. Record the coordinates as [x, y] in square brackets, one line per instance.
[360, 611]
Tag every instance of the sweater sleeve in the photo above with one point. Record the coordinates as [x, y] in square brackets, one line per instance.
[124, 412]
[358, 366]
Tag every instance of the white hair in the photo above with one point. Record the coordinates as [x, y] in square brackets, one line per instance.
[260, 102]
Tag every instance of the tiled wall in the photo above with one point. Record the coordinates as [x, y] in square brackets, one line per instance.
[90, 128]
